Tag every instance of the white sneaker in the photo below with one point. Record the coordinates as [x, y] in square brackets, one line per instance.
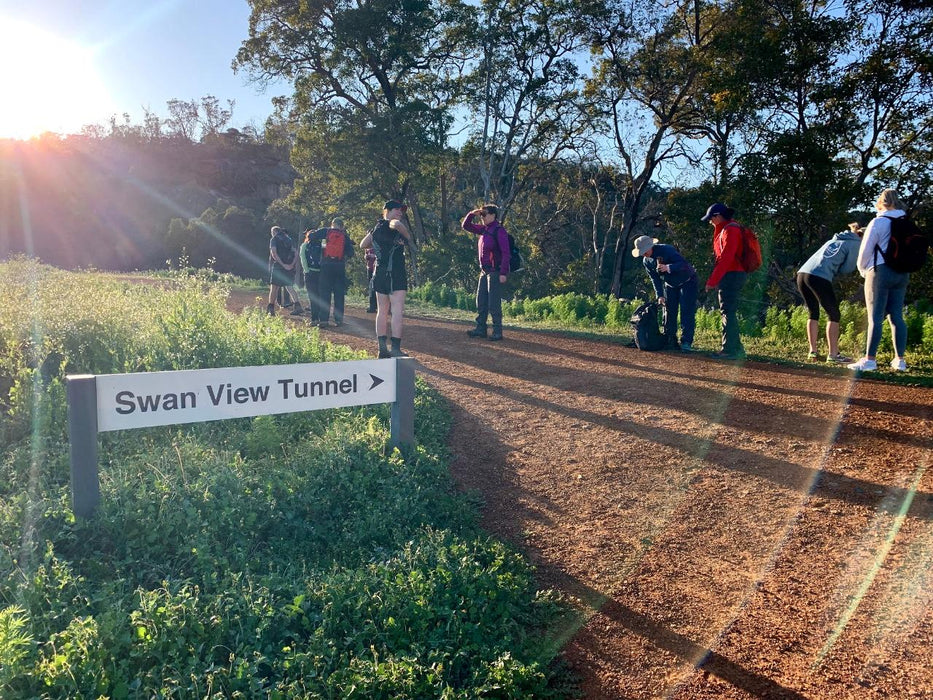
[864, 365]
[898, 364]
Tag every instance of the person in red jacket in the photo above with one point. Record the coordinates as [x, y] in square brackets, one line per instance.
[494, 253]
[728, 276]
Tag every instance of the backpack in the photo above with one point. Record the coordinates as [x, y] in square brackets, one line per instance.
[285, 248]
[907, 248]
[647, 328]
[750, 255]
[516, 263]
[334, 242]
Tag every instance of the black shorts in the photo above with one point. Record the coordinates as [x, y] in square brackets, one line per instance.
[281, 277]
[388, 281]
[818, 291]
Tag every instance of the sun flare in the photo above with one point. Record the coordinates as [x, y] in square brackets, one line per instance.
[46, 83]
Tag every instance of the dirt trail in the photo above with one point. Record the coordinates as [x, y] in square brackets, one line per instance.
[731, 531]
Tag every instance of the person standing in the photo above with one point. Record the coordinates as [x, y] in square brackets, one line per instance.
[390, 279]
[370, 256]
[283, 259]
[815, 283]
[675, 284]
[728, 276]
[885, 289]
[337, 247]
[494, 252]
[310, 256]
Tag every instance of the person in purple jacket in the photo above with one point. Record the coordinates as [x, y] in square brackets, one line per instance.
[494, 253]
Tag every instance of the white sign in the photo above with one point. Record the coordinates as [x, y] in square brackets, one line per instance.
[148, 399]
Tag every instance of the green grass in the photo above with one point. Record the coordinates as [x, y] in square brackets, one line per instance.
[780, 338]
[292, 556]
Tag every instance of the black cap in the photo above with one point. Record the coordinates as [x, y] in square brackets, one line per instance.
[718, 208]
[394, 204]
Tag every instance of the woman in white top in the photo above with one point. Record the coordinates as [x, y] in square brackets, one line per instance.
[885, 289]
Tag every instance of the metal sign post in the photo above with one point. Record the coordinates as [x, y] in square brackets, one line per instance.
[101, 403]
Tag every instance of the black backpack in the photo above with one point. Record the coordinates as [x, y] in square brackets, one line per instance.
[516, 262]
[646, 326]
[285, 247]
[907, 247]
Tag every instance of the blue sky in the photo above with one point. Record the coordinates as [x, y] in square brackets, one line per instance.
[144, 53]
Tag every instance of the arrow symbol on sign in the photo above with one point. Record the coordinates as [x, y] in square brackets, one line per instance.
[376, 381]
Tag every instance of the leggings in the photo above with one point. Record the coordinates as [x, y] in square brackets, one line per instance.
[818, 291]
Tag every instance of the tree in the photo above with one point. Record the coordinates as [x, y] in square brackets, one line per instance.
[644, 92]
[525, 84]
[361, 76]
[182, 121]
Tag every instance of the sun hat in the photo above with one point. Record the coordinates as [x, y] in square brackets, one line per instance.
[642, 245]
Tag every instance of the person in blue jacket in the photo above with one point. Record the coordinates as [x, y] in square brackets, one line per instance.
[675, 283]
[837, 256]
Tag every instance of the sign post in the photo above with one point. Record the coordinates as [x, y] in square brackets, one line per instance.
[102, 403]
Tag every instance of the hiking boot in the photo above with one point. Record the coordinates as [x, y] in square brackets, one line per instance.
[813, 357]
[898, 364]
[496, 335]
[478, 332]
[384, 354]
[398, 352]
[863, 365]
[270, 309]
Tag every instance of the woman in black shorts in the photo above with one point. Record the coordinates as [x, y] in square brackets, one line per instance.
[815, 282]
[390, 280]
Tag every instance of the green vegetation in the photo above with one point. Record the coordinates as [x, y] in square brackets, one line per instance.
[780, 337]
[283, 557]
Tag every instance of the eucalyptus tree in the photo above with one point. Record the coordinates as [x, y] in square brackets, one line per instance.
[368, 99]
[643, 95]
[522, 91]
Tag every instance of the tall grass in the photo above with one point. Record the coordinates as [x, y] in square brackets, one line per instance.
[291, 556]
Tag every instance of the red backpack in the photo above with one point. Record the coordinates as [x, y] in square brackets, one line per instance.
[334, 241]
[750, 254]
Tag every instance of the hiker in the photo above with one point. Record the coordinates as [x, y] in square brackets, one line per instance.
[336, 248]
[310, 256]
[885, 288]
[283, 258]
[370, 269]
[390, 280]
[675, 284]
[494, 252]
[728, 276]
[815, 283]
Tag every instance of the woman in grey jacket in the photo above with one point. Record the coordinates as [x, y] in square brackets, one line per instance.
[815, 282]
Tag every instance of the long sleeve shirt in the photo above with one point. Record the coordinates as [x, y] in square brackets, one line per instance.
[680, 270]
[727, 246]
[492, 245]
[877, 234]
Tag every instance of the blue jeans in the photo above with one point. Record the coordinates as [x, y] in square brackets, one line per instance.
[684, 299]
[729, 288]
[885, 290]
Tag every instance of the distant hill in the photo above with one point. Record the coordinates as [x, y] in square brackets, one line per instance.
[109, 203]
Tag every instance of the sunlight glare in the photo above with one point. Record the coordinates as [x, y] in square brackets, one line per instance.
[47, 83]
